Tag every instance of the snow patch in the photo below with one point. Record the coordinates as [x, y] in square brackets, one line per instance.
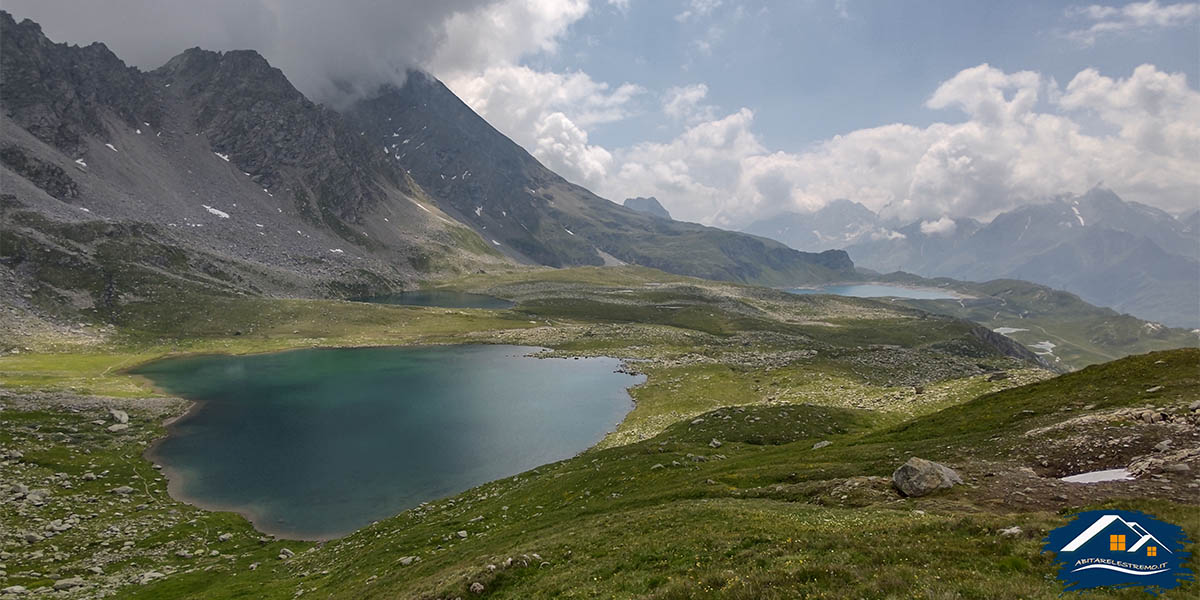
[110, 147]
[568, 231]
[1046, 347]
[495, 242]
[1078, 216]
[1099, 476]
[224, 157]
[479, 211]
[138, 131]
[79, 161]
[1008, 330]
[219, 213]
[336, 250]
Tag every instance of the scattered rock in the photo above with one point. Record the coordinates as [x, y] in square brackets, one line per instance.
[821, 444]
[123, 490]
[998, 376]
[68, 583]
[715, 443]
[15, 590]
[919, 477]
[408, 560]
[1162, 446]
[224, 537]
[149, 576]
[1157, 388]
[286, 554]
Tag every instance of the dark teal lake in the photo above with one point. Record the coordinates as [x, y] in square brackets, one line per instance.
[877, 290]
[441, 298]
[313, 444]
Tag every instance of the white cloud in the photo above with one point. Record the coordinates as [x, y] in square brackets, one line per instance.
[1008, 150]
[695, 9]
[504, 32]
[545, 112]
[686, 103]
[942, 226]
[842, 8]
[548, 113]
[1101, 20]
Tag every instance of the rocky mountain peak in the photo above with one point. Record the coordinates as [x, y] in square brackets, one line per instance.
[649, 205]
[61, 93]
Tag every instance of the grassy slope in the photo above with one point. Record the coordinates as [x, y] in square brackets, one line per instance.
[1083, 334]
[771, 519]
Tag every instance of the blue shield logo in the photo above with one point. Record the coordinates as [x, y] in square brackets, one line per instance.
[1119, 548]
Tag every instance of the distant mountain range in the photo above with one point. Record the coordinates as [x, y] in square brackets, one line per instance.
[1111, 252]
[213, 173]
[838, 224]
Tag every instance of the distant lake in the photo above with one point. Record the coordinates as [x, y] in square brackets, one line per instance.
[315, 444]
[877, 290]
[441, 298]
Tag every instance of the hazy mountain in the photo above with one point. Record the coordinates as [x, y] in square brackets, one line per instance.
[213, 173]
[836, 225]
[527, 211]
[648, 205]
[1110, 252]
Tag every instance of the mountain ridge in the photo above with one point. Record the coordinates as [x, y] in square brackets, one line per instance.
[1111, 252]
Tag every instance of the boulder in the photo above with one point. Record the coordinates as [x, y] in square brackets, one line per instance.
[68, 583]
[919, 477]
[119, 416]
[821, 444]
[116, 427]
[476, 588]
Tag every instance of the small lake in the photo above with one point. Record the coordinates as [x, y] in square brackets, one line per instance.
[878, 290]
[442, 299]
[314, 444]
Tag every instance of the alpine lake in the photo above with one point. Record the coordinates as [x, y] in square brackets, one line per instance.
[316, 443]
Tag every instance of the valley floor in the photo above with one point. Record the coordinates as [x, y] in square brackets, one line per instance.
[711, 487]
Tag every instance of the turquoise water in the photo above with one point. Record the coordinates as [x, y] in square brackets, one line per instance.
[441, 298]
[877, 290]
[314, 444]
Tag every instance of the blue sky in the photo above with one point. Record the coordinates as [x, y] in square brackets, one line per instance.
[810, 73]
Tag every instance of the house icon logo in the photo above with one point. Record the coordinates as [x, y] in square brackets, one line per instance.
[1119, 548]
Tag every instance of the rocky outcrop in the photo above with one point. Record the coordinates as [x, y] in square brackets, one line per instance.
[45, 175]
[648, 205]
[920, 477]
[251, 113]
[62, 93]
